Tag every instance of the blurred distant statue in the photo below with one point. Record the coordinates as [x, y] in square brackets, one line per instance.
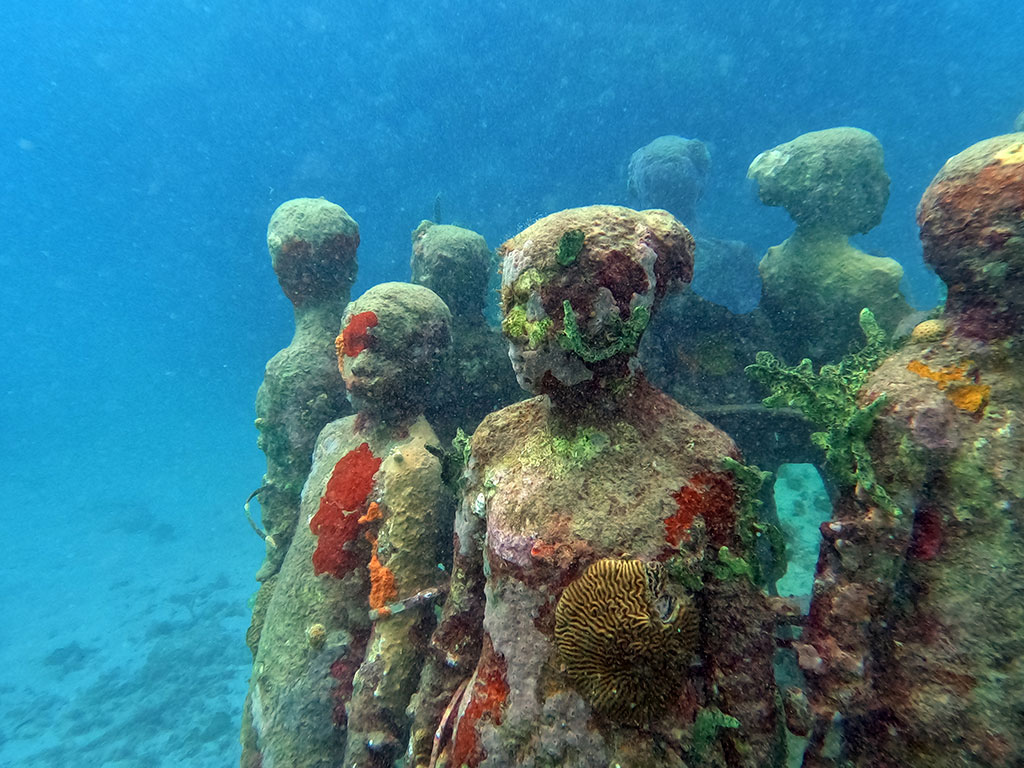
[474, 378]
[725, 273]
[670, 173]
[697, 347]
[833, 184]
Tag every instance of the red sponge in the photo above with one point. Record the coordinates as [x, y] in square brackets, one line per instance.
[336, 522]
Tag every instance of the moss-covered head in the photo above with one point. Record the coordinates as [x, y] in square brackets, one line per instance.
[832, 180]
[579, 287]
[972, 228]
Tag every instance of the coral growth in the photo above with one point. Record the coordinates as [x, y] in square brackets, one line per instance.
[972, 229]
[928, 331]
[382, 581]
[355, 337]
[485, 697]
[625, 637]
[316, 636]
[336, 523]
[707, 495]
[965, 394]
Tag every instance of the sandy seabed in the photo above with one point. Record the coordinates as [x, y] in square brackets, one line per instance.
[123, 637]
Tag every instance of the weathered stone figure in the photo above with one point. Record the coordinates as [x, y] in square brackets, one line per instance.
[601, 609]
[351, 610]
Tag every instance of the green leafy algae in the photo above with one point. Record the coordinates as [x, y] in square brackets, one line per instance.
[828, 399]
[584, 446]
[538, 331]
[569, 247]
[730, 566]
[623, 336]
[515, 325]
[749, 481]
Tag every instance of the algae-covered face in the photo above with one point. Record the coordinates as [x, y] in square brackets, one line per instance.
[531, 366]
[533, 345]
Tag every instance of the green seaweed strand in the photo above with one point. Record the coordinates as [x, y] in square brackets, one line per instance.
[749, 481]
[624, 335]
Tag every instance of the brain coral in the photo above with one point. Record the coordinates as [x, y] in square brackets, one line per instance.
[625, 637]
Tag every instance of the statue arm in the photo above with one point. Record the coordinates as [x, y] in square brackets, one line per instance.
[404, 582]
[455, 645]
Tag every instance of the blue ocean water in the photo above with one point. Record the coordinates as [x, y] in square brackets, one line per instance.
[143, 147]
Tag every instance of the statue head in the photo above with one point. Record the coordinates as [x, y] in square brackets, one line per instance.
[312, 245]
[579, 288]
[392, 339]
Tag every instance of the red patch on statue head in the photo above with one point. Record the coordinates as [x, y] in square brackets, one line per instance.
[336, 523]
[355, 337]
[707, 495]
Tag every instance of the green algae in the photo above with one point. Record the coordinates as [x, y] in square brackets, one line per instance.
[752, 529]
[515, 325]
[622, 336]
[582, 447]
[828, 399]
[709, 721]
[730, 566]
[453, 462]
[570, 244]
[564, 453]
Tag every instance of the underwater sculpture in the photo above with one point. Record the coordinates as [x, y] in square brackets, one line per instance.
[670, 173]
[475, 378]
[351, 609]
[696, 348]
[312, 245]
[601, 523]
[725, 273]
[833, 184]
[916, 631]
